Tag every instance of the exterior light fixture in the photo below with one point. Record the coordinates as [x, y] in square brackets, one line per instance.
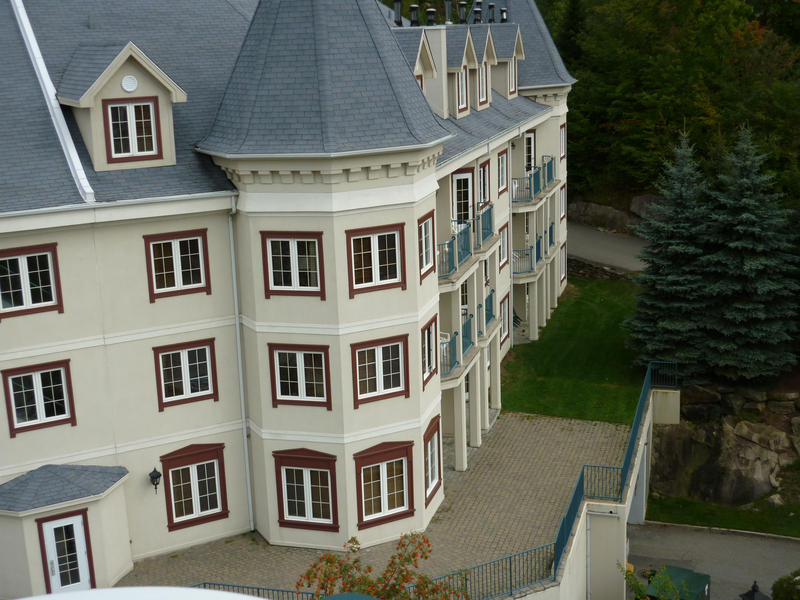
[155, 479]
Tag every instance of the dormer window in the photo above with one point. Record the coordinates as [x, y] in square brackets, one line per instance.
[483, 78]
[462, 89]
[420, 82]
[512, 75]
[131, 129]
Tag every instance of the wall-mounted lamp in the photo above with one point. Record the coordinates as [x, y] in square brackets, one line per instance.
[155, 479]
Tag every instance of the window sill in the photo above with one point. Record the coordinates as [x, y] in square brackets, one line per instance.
[223, 514]
[308, 525]
[432, 493]
[386, 519]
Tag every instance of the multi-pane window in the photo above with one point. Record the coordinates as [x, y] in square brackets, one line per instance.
[502, 171]
[425, 244]
[483, 183]
[462, 196]
[307, 495]
[132, 129]
[512, 75]
[502, 253]
[195, 485]
[380, 369]
[301, 375]
[563, 262]
[177, 263]
[462, 89]
[384, 488]
[483, 77]
[292, 263]
[563, 201]
[27, 279]
[504, 318]
[429, 347]
[563, 140]
[376, 258]
[432, 459]
[38, 396]
[530, 148]
[185, 372]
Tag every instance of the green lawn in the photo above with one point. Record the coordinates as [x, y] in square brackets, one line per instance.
[580, 367]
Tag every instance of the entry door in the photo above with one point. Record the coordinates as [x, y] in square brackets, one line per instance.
[67, 559]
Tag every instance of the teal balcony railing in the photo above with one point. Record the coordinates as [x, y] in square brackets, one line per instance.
[526, 260]
[536, 181]
[488, 305]
[446, 251]
[463, 248]
[538, 248]
[521, 189]
[486, 220]
[449, 354]
[552, 238]
[549, 168]
[467, 341]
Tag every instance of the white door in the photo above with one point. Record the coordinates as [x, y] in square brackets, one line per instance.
[67, 559]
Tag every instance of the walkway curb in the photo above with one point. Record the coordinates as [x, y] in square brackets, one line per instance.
[774, 536]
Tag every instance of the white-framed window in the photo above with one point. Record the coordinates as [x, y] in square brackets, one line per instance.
[380, 370]
[420, 82]
[483, 183]
[483, 79]
[384, 488]
[502, 253]
[563, 201]
[425, 244]
[38, 395]
[195, 490]
[376, 259]
[28, 280]
[563, 140]
[563, 262]
[307, 495]
[502, 171]
[504, 318]
[132, 129]
[186, 371]
[293, 264]
[429, 351]
[462, 196]
[431, 462]
[512, 75]
[300, 375]
[462, 89]
[177, 263]
[530, 148]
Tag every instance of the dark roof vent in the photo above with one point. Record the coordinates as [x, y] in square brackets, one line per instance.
[491, 12]
[398, 13]
[462, 12]
[448, 11]
[431, 16]
[504, 15]
[477, 12]
[414, 15]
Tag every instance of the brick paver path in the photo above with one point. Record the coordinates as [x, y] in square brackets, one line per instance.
[511, 499]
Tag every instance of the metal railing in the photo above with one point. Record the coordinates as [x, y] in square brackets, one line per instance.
[536, 181]
[446, 253]
[449, 354]
[259, 592]
[486, 220]
[489, 308]
[463, 248]
[549, 169]
[552, 233]
[467, 340]
[538, 248]
[524, 261]
[521, 189]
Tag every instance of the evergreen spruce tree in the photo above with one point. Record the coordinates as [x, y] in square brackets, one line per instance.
[669, 318]
[750, 272]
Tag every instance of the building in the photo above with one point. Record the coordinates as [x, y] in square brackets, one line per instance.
[267, 254]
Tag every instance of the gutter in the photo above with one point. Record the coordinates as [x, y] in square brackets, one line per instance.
[53, 107]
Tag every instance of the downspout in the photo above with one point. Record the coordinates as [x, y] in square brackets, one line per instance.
[237, 327]
[588, 556]
[510, 243]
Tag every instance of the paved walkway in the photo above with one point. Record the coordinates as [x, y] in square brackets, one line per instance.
[511, 499]
[733, 559]
[605, 248]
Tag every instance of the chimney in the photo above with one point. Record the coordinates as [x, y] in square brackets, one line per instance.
[462, 12]
[477, 12]
[448, 12]
[491, 12]
[414, 15]
[431, 16]
[504, 15]
[398, 13]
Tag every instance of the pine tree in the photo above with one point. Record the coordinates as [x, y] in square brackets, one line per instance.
[668, 321]
[750, 272]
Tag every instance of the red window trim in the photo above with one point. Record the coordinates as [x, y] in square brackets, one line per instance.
[212, 372]
[563, 190]
[432, 321]
[303, 458]
[564, 248]
[433, 427]
[464, 108]
[37, 249]
[564, 147]
[273, 348]
[7, 374]
[191, 455]
[421, 82]
[485, 68]
[354, 348]
[471, 171]
[504, 187]
[294, 235]
[508, 248]
[156, 130]
[509, 315]
[83, 512]
[420, 221]
[488, 164]
[533, 149]
[378, 454]
[176, 235]
[400, 228]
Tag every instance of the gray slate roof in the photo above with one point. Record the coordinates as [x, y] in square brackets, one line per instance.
[33, 170]
[456, 45]
[54, 484]
[408, 38]
[320, 77]
[86, 65]
[480, 126]
[196, 48]
[505, 39]
[480, 33]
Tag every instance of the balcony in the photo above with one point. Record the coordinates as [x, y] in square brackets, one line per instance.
[527, 260]
[483, 226]
[446, 253]
[463, 248]
[548, 170]
[467, 340]
[449, 354]
[552, 236]
[489, 309]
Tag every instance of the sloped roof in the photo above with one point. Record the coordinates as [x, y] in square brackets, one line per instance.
[480, 33]
[87, 64]
[409, 39]
[456, 45]
[33, 170]
[505, 39]
[54, 484]
[292, 89]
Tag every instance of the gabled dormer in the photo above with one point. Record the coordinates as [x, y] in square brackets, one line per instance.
[417, 50]
[509, 50]
[122, 102]
[486, 54]
[461, 59]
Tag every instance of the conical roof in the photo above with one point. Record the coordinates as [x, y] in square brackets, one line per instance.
[320, 77]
